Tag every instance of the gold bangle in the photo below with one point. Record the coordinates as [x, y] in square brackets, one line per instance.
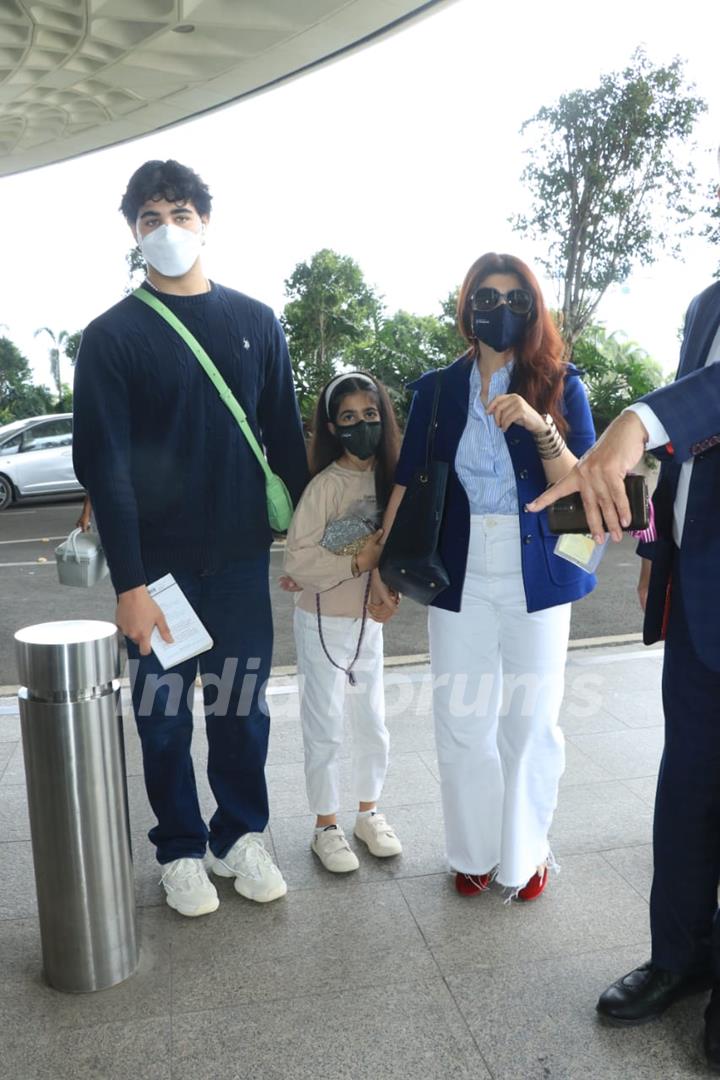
[550, 455]
[354, 568]
[550, 444]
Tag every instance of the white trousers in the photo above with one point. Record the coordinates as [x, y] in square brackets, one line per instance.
[324, 692]
[498, 680]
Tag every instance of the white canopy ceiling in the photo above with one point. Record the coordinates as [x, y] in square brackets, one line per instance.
[77, 75]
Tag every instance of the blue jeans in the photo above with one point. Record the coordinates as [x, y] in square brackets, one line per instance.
[234, 605]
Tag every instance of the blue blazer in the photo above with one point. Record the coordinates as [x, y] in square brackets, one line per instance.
[689, 409]
[548, 579]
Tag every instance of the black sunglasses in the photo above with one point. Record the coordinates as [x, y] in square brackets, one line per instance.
[519, 301]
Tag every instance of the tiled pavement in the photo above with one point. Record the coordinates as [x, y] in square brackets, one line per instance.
[385, 973]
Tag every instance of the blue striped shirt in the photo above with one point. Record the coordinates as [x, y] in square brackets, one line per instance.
[483, 460]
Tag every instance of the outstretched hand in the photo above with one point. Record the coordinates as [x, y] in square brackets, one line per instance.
[599, 476]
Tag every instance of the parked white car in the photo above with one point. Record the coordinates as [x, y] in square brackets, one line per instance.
[36, 458]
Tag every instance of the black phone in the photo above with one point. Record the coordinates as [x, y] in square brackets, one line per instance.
[567, 515]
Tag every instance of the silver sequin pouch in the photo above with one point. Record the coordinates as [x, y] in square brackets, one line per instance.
[347, 534]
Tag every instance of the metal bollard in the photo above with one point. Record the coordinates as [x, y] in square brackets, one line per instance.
[77, 796]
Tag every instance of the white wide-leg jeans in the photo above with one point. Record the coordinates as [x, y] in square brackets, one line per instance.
[324, 692]
[498, 680]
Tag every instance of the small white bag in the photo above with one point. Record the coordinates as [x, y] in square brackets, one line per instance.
[80, 559]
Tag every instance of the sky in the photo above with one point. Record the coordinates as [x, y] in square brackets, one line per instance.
[405, 155]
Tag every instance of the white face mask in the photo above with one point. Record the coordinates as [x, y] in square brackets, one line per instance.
[171, 250]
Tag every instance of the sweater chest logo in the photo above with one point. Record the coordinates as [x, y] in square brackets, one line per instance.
[246, 343]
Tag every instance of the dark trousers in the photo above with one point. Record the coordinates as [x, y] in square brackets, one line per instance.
[686, 836]
[234, 605]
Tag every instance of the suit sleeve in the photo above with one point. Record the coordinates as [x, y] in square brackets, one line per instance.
[657, 435]
[101, 453]
[279, 416]
[689, 410]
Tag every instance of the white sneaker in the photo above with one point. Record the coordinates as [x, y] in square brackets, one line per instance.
[333, 850]
[256, 875]
[374, 831]
[188, 889]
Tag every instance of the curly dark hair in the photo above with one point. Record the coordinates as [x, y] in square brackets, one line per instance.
[164, 180]
[326, 447]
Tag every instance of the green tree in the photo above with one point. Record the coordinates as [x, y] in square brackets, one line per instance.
[711, 230]
[65, 401]
[330, 314]
[136, 269]
[616, 372]
[608, 184]
[63, 344]
[406, 345]
[18, 396]
[72, 345]
[448, 342]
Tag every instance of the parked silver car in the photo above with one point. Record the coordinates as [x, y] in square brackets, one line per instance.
[36, 458]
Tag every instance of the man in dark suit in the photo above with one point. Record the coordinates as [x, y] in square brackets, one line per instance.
[681, 424]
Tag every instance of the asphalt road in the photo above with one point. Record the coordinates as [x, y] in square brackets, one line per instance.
[30, 591]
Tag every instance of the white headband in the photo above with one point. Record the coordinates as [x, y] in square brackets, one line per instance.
[332, 387]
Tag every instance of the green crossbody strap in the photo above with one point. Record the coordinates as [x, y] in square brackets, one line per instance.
[212, 372]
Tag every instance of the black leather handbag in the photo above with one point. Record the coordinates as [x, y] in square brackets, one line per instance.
[410, 563]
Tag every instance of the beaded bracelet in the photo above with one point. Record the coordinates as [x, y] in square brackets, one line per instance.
[550, 444]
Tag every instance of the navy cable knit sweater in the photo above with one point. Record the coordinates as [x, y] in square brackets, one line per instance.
[173, 482]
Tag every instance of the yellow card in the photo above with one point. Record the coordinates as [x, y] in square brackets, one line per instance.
[578, 547]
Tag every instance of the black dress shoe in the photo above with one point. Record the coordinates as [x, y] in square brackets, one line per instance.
[712, 1030]
[648, 991]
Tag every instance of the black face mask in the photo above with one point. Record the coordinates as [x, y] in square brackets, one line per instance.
[500, 328]
[361, 439]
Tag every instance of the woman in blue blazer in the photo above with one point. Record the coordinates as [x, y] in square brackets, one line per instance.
[512, 417]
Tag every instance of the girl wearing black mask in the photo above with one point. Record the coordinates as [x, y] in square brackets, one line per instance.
[332, 550]
[512, 417]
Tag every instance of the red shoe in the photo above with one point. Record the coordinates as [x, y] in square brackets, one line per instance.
[471, 884]
[534, 887]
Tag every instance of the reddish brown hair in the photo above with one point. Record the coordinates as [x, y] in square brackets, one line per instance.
[539, 365]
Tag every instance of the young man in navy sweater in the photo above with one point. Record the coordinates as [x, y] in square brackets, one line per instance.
[176, 489]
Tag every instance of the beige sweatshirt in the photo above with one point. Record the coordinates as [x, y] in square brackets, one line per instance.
[334, 493]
